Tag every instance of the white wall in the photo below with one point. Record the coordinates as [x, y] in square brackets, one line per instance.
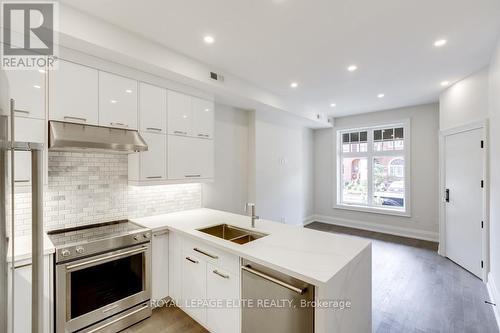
[283, 168]
[229, 190]
[465, 102]
[494, 141]
[424, 179]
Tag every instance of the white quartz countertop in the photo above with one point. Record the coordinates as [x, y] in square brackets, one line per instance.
[22, 249]
[310, 255]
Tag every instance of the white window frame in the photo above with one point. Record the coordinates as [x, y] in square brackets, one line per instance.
[370, 154]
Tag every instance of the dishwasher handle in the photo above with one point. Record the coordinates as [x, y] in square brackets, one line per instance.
[249, 269]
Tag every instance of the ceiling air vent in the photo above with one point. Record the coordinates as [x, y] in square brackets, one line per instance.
[216, 77]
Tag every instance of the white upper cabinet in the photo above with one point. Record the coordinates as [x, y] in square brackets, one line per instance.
[153, 162]
[152, 108]
[27, 88]
[73, 93]
[117, 101]
[203, 115]
[180, 114]
[190, 158]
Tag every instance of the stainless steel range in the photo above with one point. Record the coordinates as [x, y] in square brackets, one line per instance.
[102, 277]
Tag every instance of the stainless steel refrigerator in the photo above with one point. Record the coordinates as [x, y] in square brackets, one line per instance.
[8, 148]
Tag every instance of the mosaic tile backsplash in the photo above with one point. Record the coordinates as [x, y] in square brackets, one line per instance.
[92, 188]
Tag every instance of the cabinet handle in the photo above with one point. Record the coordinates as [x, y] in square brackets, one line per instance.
[205, 253]
[22, 181]
[76, 118]
[192, 176]
[180, 132]
[221, 275]
[161, 233]
[118, 124]
[153, 177]
[154, 129]
[22, 111]
[192, 260]
[203, 135]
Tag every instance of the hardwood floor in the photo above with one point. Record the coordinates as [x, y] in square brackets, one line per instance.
[414, 290]
[417, 290]
[167, 320]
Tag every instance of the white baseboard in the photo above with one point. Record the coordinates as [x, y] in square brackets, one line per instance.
[309, 219]
[494, 297]
[386, 229]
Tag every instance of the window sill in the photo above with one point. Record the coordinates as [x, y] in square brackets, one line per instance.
[382, 211]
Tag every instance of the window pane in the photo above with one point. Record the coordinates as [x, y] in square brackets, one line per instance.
[354, 147]
[354, 137]
[399, 145]
[377, 135]
[363, 136]
[388, 145]
[389, 182]
[355, 181]
[398, 133]
[363, 147]
[388, 134]
[345, 137]
[346, 148]
[377, 146]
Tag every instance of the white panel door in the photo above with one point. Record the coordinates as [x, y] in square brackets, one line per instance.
[194, 286]
[203, 118]
[27, 88]
[159, 267]
[117, 101]
[180, 114]
[464, 207]
[152, 108]
[154, 161]
[73, 91]
[222, 286]
[26, 130]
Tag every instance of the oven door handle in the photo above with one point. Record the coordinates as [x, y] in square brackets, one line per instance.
[106, 258]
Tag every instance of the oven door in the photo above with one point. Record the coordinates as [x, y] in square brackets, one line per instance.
[92, 289]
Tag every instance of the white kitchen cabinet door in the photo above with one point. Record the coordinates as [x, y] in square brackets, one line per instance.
[190, 158]
[73, 94]
[194, 286]
[117, 101]
[152, 108]
[153, 162]
[180, 113]
[160, 266]
[223, 287]
[22, 293]
[26, 130]
[27, 88]
[175, 266]
[203, 118]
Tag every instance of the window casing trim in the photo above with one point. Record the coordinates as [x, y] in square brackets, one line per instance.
[370, 154]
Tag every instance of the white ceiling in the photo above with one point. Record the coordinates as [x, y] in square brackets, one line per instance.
[274, 42]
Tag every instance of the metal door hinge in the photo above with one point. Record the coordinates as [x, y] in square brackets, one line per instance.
[482, 224]
[482, 183]
[482, 264]
[482, 143]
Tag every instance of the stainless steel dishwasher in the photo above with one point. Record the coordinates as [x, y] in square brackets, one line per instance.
[273, 301]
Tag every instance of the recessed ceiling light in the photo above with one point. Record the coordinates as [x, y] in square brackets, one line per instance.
[184, 116]
[440, 42]
[332, 105]
[128, 91]
[294, 84]
[352, 68]
[113, 101]
[209, 39]
[207, 110]
[445, 83]
[381, 95]
[36, 86]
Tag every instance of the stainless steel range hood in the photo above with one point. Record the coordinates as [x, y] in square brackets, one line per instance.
[88, 138]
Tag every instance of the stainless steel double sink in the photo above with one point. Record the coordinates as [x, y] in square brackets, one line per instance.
[233, 234]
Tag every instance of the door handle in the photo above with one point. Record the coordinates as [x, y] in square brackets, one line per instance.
[447, 195]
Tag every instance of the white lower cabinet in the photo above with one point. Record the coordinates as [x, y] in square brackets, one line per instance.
[208, 276]
[194, 286]
[160, 266]
[22, 298]
[223, 289]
